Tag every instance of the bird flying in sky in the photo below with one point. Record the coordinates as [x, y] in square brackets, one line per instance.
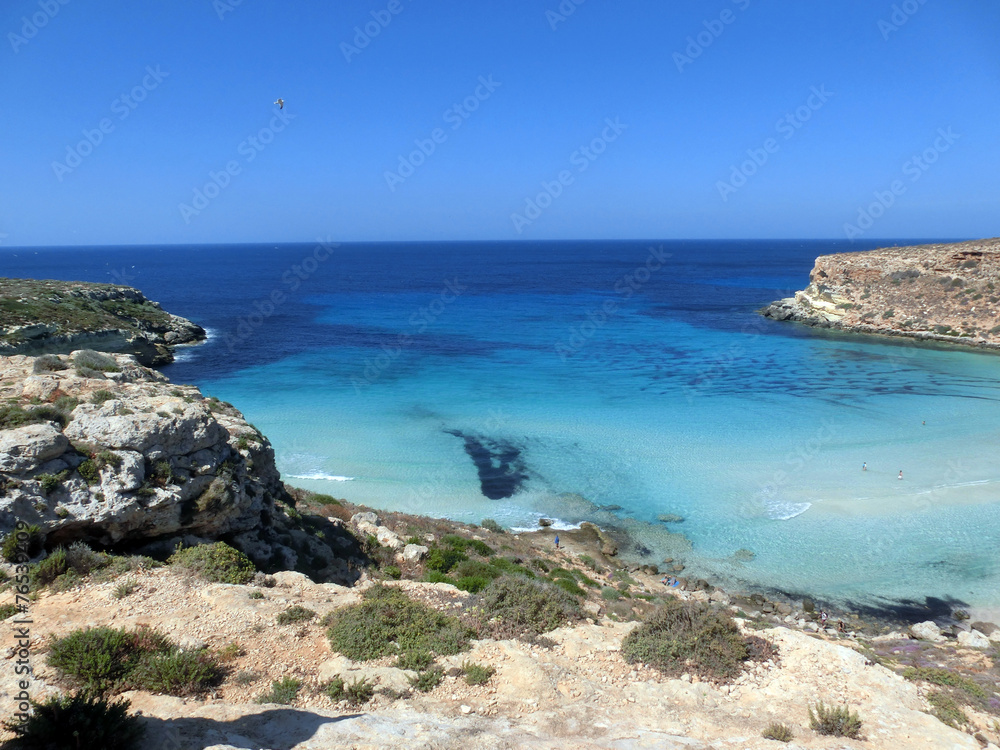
[280, 103]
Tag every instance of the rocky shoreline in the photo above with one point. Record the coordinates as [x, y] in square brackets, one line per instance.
[943, 293]
[57, 317]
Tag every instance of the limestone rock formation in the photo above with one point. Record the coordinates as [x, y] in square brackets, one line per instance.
[948, 293]
[124, 457]
[39, 317]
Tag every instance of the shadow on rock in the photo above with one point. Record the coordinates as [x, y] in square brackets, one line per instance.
[275, 729]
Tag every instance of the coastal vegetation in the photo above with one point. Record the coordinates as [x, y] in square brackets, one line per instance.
[217, 563]
[837, 721]
[92, 720]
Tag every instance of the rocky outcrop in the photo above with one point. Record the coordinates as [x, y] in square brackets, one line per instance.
[948, 293]
[42, 317]
[124, 457]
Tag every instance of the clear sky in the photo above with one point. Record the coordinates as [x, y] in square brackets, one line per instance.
[699, 92]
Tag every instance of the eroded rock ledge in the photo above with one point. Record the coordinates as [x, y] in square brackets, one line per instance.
[948, 293]
[40, 317]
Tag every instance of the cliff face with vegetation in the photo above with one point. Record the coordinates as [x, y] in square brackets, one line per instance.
[39, 317]
[948, 293]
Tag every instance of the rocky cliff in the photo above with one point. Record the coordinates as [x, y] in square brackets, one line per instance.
[38, 317]
[948, 293]
[96, 448]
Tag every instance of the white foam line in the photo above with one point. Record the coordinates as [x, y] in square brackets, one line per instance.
[321, 475]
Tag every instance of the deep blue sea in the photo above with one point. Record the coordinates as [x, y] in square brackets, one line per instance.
[605, 381]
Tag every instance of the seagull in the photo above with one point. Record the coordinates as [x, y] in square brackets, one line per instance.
[280, 103]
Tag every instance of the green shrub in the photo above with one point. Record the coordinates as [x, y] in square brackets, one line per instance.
[325, 500]
[255, 594]
[101, 396]
[477, 674]
[443, 560]
[66, 404]
[391, 571]
[610, 594]
[387, 622]
[947, 710]
[48, 570]
[295, 614]
[89, 471]
[181, 673]
[512, 606]
[216, 562]
[946, 678]
[108, 458]
[428, 679]
[246, 677]
[282, 692]
[687, 636]
[124, 588]
[835, 722]
[102, 658]
[415, 659]
[28, 540]
[231, 652]
[50, 482]
[356, 694]
[48, 363]
[83, 559]
[92, 360]
[472, 584]
[569, 586]
[91, 720]
[12, 415]
[490, 525]
[779, 732]
[8, 610]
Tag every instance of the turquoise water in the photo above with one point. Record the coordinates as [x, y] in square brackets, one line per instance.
[675, 398]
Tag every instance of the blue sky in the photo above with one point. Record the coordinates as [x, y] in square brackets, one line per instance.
[702, 147]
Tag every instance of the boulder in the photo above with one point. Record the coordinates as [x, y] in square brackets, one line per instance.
[973, 639]
[986, 628]
[927, 631]
[25, 448]
[414, 552]
[368, 517]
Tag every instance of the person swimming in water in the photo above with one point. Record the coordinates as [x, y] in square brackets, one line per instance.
[900, 474]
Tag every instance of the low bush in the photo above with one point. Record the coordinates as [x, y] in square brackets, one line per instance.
[687, 636]
[28, 540]
[490, 525]
[89, 471]
[8, 610]
[48, 570]
[387, 622]
[104, 659]
[393, 572]
[218, 563]
[295, 614]
[101, 396]
[428, 679]
[356, 693]
[181, 673]
[325, 499]
[282, 692]
[414, 660]
[947, 710]
[946, 678]
[779, 732]
[48, 363]
[91, 720]
[443, 560]
[12, 415]
[124, 588]
[513, 606]
[477, 674]
[92, 360]
[835, 722]
[255, 594]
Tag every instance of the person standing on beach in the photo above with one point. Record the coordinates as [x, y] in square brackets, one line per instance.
[557, 541]
[864, 466]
